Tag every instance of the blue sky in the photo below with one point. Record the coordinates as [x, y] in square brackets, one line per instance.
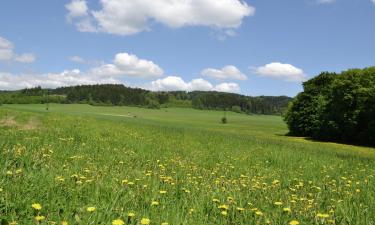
[253, 47]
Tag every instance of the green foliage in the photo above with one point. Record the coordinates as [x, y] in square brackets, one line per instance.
[336, 107]
[119, 95]
[224, 120]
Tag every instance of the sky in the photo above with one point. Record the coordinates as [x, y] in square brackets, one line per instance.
[251, 47]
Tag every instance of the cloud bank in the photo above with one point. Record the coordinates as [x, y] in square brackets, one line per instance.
[124, 17]
[7, 53]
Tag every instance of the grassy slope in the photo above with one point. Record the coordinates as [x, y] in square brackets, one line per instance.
[177, 150]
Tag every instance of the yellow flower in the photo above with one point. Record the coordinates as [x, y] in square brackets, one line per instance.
[90, 209]
[287, 210]
[118, 222]
[39, 218]
[216, 200]
[321, 215]
[64, 223]
[163, 192]
[145, 221]
[278, 203]
[224, 207]
[259, 213]
[294, 222]
[154, 203]
[131, 214]
[239, 209]
[165, 223]
[13, 223]
[36, 206]
[224, 213]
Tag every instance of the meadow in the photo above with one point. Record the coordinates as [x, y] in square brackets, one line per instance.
[79, 164]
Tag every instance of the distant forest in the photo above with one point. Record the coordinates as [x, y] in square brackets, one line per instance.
[336, 107]
[119, 95]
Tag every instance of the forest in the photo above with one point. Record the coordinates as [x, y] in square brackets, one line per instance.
[120, 95]
[336, 107]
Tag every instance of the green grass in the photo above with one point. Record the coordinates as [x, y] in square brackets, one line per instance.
[118, 159]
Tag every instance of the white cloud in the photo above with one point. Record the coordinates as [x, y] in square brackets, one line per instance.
[77, 59]
[228, 87]
[7, 53]
[77, 8]
[25, 58]
[226, 73]
[326, 1]
[124, 17]
[52, 80]
[174, 83]
[130, 65]
[373, 1]
[282, 71]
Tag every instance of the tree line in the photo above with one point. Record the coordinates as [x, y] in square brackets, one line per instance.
[336, 107]
[120, 95]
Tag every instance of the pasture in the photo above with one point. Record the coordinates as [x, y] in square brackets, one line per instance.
[79, 164]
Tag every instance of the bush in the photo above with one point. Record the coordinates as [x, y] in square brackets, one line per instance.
[224, 120]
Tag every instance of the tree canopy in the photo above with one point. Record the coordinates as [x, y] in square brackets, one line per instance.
[336, 107]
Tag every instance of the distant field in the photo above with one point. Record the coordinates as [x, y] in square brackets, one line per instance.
[175, 166]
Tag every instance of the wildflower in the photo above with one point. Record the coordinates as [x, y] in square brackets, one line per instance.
[165, 223]
[154, 203]
[13, 223]
[224, 207]
[287, 210]
[39, 218]
[145, 221]
[294, 222]
[64, 223]
[216, 200]
[118, 222]
[322, 215]
[90, 209]
[224, 213]
[239, 209]
[278, 203]
[131, 214]
[163, 192]
[36, 206]
[258, 213]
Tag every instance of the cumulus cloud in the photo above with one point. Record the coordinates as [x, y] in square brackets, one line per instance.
[225, 73]
[77, 8]
[7, 53]
[174, 83]
[10, 81]
[282, 71]
[130, 65]
[124, 17]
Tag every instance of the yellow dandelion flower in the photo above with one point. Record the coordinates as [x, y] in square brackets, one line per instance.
[258, 213]
[90, 209]
[36, 206]
[163, 192]
[278, 203]
[13, 223]
[165, 223]
[224, 207]
[118, 222]
[39, 218]
[145, 221]
[154, 203]
[64, 223]
[240, 209]
[287, 210]
[224, 213]
[131, 214]
[322, 215]
[294, 222]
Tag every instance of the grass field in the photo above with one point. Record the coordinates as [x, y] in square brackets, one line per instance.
[79, 164]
